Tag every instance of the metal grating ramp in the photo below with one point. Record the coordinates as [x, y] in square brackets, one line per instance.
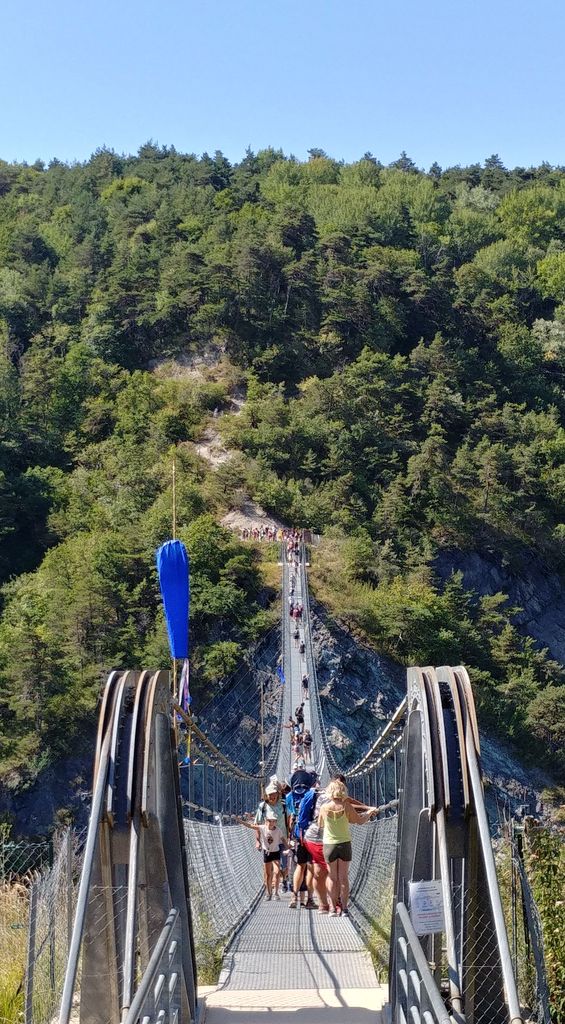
[280, 948]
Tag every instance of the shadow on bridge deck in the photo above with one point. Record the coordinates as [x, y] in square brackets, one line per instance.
[297, 966]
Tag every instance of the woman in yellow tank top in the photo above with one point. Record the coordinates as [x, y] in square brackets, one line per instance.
[335, 817]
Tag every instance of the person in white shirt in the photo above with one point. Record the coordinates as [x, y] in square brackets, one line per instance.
[272, 841]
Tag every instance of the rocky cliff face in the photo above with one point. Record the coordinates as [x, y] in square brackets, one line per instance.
[360, 688]
[532, 587]
[60, 792]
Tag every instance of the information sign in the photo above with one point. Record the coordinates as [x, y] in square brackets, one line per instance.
[426, 907]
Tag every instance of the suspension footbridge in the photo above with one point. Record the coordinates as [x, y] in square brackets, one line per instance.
[164, 869]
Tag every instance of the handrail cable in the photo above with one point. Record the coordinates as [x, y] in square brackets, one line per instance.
[84, 887]
[216, 758]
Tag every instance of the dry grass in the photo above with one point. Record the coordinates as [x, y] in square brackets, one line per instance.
[14, 905]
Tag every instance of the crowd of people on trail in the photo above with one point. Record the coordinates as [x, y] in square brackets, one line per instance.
[304, 834]
[300, 738]
[292, 539]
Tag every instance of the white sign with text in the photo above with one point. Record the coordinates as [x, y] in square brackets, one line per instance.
[426, 907]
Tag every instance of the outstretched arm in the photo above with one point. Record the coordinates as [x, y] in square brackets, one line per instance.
[256, 828]
[358, 805]
[359, 818]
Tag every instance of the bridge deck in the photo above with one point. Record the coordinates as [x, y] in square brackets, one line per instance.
[297, 966]
[295, 667]
[299, 962]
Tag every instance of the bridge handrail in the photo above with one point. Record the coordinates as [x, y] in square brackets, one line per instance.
[513, 1000]
[394, 722]
[271, 763]
[215, 755]
[84, 886]
[314, 688]
[427, 999]
[159, 988]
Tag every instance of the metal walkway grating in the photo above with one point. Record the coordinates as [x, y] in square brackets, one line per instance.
[268, 972]
[279, 948]
[273, 928]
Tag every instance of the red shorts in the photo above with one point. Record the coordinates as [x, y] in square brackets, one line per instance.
[316, 850]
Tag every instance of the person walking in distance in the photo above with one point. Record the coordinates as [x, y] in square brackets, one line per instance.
[299, 716]
[305, 685]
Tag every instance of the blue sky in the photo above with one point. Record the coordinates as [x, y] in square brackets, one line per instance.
[448, 81]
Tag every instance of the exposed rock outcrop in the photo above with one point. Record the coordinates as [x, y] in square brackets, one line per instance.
[360, 688]
[535, 589]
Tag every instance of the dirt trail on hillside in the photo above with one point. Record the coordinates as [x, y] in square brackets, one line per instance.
[211, 446]
[249, 515]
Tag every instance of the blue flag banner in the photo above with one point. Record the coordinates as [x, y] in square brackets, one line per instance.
[280, 674]
[173, 570]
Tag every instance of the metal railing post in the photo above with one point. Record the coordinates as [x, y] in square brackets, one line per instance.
[69, 873]
[492, 879]
[30, 964]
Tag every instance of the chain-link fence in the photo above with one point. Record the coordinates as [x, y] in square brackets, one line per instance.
[20, 859]
[226, 878]
[523, 922]
[372, 882]
[37, 886]
[14, 914]
[51, 910]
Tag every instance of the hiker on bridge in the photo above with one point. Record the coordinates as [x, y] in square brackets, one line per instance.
[301, 782]
[297, 746]
[311, 835]
[275, 803]
[293, 726]
[307, 744]
[305, 685]
[335, 818]
[272, 843]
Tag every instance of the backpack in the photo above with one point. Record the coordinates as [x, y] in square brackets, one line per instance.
[307, 810]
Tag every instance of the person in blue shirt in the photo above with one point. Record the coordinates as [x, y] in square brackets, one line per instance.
[311, 837]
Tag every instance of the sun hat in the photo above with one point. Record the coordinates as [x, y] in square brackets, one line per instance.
[270, 815]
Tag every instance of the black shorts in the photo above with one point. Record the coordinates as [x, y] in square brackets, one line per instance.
[268, 858]
[302, 855]
[337, 851]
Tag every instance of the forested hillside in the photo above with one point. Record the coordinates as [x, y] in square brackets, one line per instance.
[401, 339]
